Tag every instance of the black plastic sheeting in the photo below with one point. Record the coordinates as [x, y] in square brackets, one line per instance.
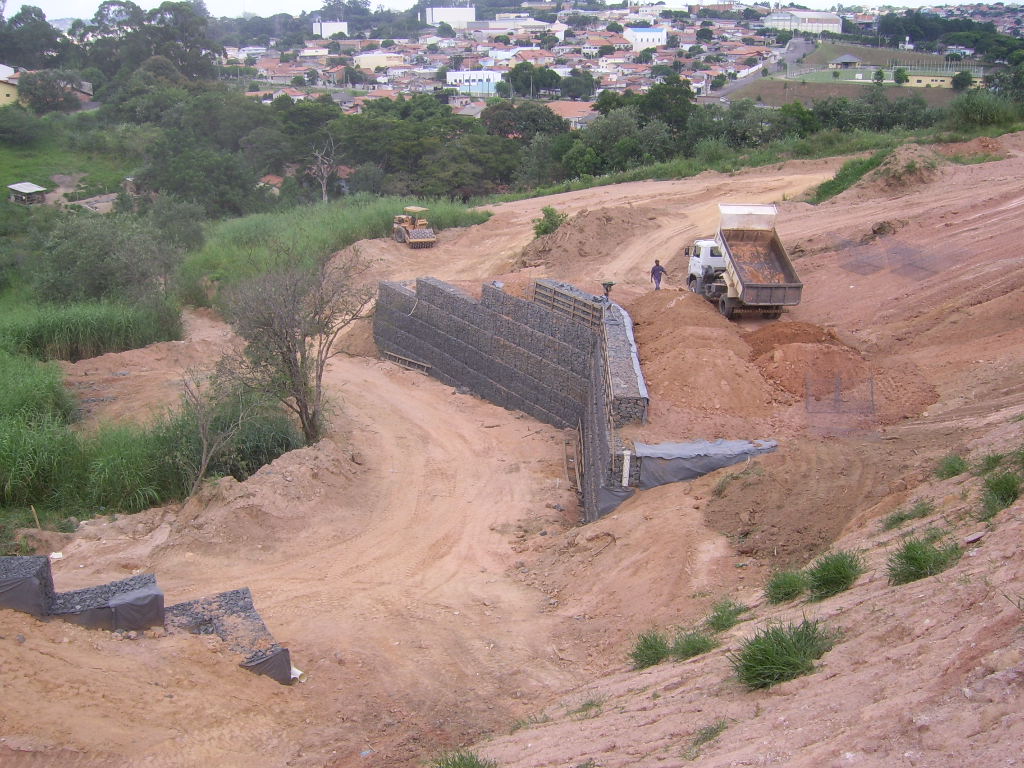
[234, 619]
[610, 497]
[277, 666]
[135, 603]
[26, 584]
[673, 462]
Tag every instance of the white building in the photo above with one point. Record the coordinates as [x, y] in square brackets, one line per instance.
[474, 82]
[646, 37]
[803, 21]
[456, 18]
[327, 28]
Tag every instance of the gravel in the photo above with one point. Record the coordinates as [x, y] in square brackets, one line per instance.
[100, 596]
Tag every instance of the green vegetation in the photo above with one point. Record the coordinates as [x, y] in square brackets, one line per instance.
[973, 159]
[686, 645]
[778, 653]
[834, 573]
[704, 736]
[990, 462]
[725, 614]
[549, 221]
[85, 329]
[51, 154]
[951, 465]
[43, 462]
[237, 249]
[651, 648]
[528, 722]
[851, 172]
[784, 586]
[461, 758]
[918, 558]
[921, 508]
[587, 709]
[1001, 490]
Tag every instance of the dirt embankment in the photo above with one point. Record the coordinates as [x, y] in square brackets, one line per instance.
[425, 567]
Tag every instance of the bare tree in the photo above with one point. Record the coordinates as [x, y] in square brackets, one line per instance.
[200, 400]
[290, 319]
[324, 166]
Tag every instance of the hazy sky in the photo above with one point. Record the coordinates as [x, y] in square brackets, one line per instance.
[58, 9]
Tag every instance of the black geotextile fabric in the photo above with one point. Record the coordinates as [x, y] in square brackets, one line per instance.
[234, 619]
[134, 603]
[672, 462]
[26, 584]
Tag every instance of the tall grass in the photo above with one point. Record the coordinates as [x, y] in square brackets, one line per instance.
[241, 248]
[85, 329]
[777, 653]
[124, 467]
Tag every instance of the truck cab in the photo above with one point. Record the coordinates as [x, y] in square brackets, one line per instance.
[706, 264]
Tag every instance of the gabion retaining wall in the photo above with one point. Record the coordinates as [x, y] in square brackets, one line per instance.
[523, 356]
[507, 350]
[137, 603]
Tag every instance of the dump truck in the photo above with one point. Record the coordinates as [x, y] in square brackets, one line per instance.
[410, 227]
[745, 267]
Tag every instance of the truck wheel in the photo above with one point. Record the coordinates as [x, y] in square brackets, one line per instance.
[399, 235]
[726, 307]
[698, 287]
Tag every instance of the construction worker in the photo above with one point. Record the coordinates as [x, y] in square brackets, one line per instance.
[657, 272]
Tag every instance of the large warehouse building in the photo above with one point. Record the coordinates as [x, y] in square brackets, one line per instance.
[804, 21]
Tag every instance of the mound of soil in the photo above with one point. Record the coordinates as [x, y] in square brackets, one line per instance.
[591, 235]
[983, 145]
[908, 167]
[777, 334]
[813, 369]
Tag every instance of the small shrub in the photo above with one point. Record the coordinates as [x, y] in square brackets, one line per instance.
[831, 574]
[989, 462]
[462, 758]
[528, 722]
[1001, 490]
[951, 465]
[651, 648]
[785, 586]
[725, 614]
[918, 558]
[549, 221]
[778, 653]
[921, 508]
[705, 735]
[689, 644]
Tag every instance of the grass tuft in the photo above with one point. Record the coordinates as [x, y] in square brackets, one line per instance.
[529, 722]
[919, 558]
[461, 758]
[921, 508]
[778, 653]
[704, 736]
[785, 586]
[651, 648]
[1001, 490]
[990, 462]
[951, 465]
[589, 708]
[725, 614]
[834, 573]
[689, 644]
